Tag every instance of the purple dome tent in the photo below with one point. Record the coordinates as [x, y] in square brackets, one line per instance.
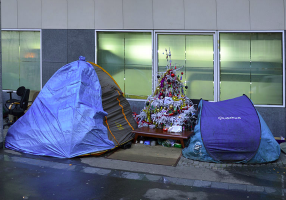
[231, 130]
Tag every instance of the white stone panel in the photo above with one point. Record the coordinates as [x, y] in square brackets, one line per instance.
[29, 14]
[108, 14]
[54, 14]
[81, 14]
[233, 15]
[9, 14]
[137, 14]
[200, 15]
[168, 14]
[267, 14]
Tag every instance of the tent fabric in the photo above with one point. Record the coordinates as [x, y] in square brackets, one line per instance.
[230, 131]
[225, 125]
[196, 149]
[67, 118]
[119, 121]
[269, 149]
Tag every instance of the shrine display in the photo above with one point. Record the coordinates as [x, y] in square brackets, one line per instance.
[168, 107]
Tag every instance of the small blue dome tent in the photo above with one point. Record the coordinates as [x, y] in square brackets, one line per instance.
[80, 111]
[231, 131]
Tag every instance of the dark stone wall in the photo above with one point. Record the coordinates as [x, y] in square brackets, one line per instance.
[81, 42]
[54, 52]
[62, 46]
[275, 119]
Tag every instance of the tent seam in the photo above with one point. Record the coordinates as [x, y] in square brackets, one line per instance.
[259, 126]
[110, 130]
[123, 111]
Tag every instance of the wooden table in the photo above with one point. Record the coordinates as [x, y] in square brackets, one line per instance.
[159, 133]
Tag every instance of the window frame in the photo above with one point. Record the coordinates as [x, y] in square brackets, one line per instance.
[134, 31]
[283, 64]
[41, 47]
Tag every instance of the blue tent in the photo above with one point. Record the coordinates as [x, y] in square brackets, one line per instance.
[231, 130]
[68, 118]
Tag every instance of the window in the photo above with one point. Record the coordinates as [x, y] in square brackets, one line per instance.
[21, 59]
[239, 63]
[127, 57]
[196, 54]
[252, 64]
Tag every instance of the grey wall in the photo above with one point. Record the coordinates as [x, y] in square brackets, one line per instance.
[275, 119]
[60, 47]
[147, 14]
[54, 52]
[68, 27]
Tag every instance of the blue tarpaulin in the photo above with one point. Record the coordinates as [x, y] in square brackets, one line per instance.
[66, 119]
[231, 130]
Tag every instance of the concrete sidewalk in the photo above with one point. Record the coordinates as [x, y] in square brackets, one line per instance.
[261, 178]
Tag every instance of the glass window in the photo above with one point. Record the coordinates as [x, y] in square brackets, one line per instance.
[252, 64]
[21, 59]
[127, 57]
[196, 54]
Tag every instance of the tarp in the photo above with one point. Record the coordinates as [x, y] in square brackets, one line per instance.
[67, 118]
[231, 130]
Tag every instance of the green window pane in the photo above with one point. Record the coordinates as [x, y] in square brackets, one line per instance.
[21, 59]
[174, 43]
[30, 60]
[200, 66]
[138, 65]
[128, 58]
[234, 65]
[10, 59]
[110, 55]
[266, 68]
[195, 53]
[251, 64]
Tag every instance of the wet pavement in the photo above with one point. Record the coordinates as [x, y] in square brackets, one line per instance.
[26, 176]
[23, 181]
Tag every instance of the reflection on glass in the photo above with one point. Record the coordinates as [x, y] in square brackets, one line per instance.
[110, 55]
[21, 59]
[234, 65]
[10, 59]
[266, 68]
[251, 64]
[174, 43]
[195, 53]
[30, 60]
[128, 58]
[200, 66]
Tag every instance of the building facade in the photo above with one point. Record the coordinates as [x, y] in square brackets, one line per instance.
[226, 48]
